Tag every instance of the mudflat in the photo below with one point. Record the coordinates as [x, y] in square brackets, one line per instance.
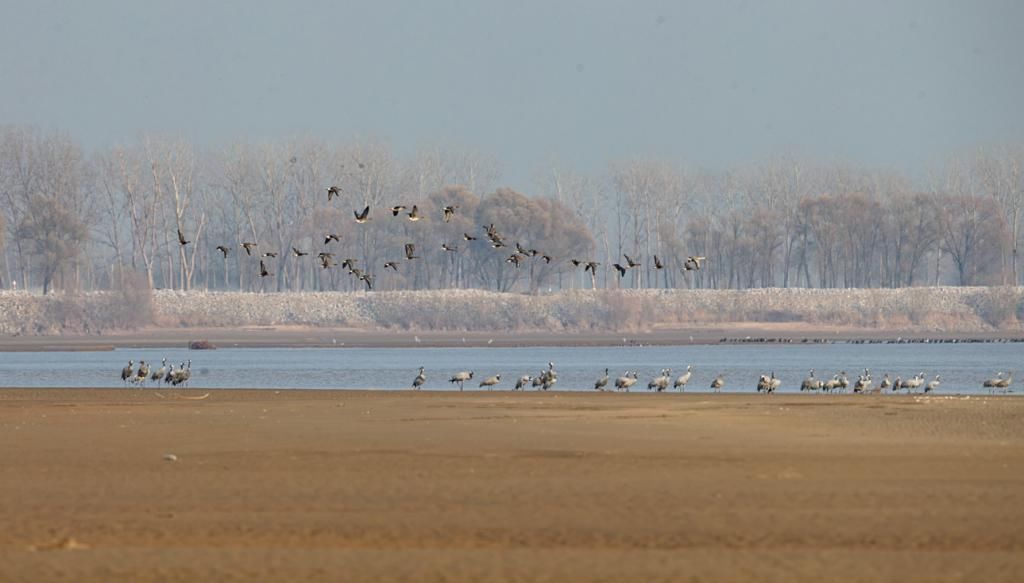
[141, 485]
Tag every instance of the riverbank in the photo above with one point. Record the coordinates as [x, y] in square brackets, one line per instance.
[108, 485]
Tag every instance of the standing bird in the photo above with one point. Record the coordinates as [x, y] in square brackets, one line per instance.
[410, 251]
[490, 381]
[332, 192]
[683, 378]
[933, 385]
[660, 383]
[143, 372]
[223, 249]
[419, 380]
[397, 209]
[627, 380]
[461, 377]
[602, 382]
[886, 383]
[449, 212]
[126, 372]
[522, 382]
[181, 239]
[249, 247]
[299, 253]
[718, 383]
[263, 270]
[362, 217]
[158, 375]
[414, 214]
[810, 383]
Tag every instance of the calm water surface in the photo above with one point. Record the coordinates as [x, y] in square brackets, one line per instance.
[963, 366]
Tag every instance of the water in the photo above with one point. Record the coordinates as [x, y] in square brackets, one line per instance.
[963, 366]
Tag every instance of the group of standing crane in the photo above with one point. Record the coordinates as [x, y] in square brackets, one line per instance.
[163, 375]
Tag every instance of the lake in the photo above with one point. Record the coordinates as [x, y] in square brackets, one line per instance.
[963, 366]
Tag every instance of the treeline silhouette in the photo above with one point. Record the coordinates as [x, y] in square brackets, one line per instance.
[177, 216]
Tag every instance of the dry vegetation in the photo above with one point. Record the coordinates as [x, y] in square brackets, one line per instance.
[962, 309]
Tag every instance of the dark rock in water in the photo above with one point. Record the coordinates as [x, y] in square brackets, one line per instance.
[201, 345]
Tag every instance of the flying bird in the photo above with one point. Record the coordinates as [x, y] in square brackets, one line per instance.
[591, 266]
[658, 264]
[368, 280]
[630, 262]
[299, 253]
[468, 237]
[391, 264]
[449, 212]
[349, 263]
[397, 209]
[448, 247]
[181, 239]
[414, 214]
[515, 259]
[362, 217]
[620, 269]
[331, 237]
[269, 254]
[332, 192]
[223, 250]
[263, 269]
[692, 263]
[410, 251]
[249, 247]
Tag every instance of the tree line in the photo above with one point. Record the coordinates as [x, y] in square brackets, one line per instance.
[74, 219]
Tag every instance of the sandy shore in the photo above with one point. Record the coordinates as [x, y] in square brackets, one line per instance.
[339, 485]
[309, 336]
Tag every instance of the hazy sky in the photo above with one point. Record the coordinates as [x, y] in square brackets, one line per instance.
[718, 83]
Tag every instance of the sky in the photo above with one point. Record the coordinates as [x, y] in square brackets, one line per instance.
[892, 84]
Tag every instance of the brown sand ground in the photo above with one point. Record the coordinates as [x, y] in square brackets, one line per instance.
[297, 336]
[354, 486]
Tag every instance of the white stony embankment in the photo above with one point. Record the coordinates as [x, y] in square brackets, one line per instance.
[960, 309]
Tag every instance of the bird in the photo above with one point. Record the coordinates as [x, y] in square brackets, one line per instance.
[491, 231]
[620, 269]
[1005, 382]
[332, 192]
[515, 259]
[497, 243]
[601, 382]
[410, 251]
[451, 248]
[159, 373]
[263, 269]
[169, 377]
[692, 263]
[299, 253]
[397, 209]
[683, 378]
[630, 262]
[419, 380]
[391, 264]
[992, 383]
[886, 383]
[249, 247]
[547, 258]
[933, 385]
[269, 254]
[126, 372]
[349, 263]
[143, 372]
[591, 266]
[414, 214]
[627, 380]
[362, 217]
[718, 383]
[810, 383]
[575, 262]
[449, 212]
[325, 260]
[549, 377]
[490, 381]
[660, 383]
[368, 280]
[461, 377]
[469, 237]
[223, 249]
[330, 237]
[522, 382]
[181, 239]
[658, 264]
[773, 383]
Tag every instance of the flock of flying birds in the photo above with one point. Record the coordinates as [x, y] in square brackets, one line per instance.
[494, 238]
